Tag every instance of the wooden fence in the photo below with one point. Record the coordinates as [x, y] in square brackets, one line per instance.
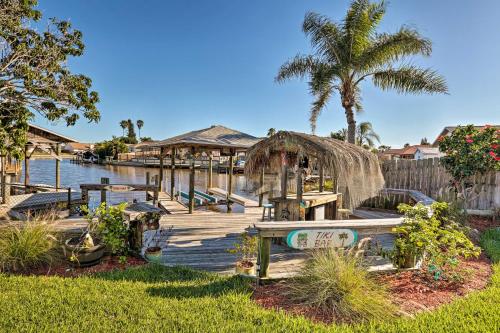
[430, 178]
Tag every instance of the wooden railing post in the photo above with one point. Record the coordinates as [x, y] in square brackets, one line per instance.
[104, 180]
[261, 188]
[264, 256]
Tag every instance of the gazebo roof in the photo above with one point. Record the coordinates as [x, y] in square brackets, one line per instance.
[40, 135]
[354, 167]
[214, 137]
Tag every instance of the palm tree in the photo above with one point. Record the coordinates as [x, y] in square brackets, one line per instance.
[123, 125]
[365, 135]
[339, 135]
[271, 131]
[347, 53]
[140, 124]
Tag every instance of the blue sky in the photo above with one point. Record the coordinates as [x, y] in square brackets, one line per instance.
[183, 65]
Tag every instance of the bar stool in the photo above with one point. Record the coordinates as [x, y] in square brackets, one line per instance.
[269, 207]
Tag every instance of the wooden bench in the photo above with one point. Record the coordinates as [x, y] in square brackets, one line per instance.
[268, 230]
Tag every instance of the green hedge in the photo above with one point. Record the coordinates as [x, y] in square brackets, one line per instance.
[160, 299]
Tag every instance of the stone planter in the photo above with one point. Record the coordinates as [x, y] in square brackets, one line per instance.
[153, 254]
[85, 257]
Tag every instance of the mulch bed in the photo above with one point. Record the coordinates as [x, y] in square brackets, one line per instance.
[411, 291]
[107, 264]
[481, 223]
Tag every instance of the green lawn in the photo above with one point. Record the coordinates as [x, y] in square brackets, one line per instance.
[159, 299]
[174, 299]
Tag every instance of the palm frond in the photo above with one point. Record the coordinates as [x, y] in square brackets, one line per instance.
[322, 98]
[299, 66]
[410, 79]
[360, 23]
[388, 48]
[326, 36]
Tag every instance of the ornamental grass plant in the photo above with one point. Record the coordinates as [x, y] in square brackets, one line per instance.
[28, 244]
[335, 281]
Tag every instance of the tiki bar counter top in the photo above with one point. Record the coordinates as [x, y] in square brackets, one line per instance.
[354, 173]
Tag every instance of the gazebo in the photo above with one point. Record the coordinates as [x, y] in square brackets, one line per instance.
[215, 138]
[354, 171]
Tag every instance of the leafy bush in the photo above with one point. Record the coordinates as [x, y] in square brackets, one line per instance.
[336, 282]
[490, 242]
[433, 236]
[26, 245]
[109, 224]
[246, 248]
[469, 152]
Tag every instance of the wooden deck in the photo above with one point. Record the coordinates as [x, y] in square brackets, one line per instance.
[201, 241]
[245, 202]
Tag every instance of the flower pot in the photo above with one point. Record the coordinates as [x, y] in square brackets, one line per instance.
[245, 268]
[409, 262]
[83, 257]
[153, 254]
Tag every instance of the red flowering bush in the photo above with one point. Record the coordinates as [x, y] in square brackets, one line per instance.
[469, 152]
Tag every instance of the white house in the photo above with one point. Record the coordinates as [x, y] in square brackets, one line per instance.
[424, 152]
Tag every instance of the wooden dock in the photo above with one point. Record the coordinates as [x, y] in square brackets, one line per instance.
[201, 241]
[245, 202]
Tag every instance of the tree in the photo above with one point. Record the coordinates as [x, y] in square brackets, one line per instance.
[424, 142]
[469, 152]
[146, 139]
[271, 131]
[111, 147]
[34, 77]
[383, 147]
[140, 124]
[339, 135]
[347, 53]
[365, 135]
[406, 145]
[131, 132]
[123, 125]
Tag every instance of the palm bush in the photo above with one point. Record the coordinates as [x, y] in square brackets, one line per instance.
[27, 245]
[336, 282]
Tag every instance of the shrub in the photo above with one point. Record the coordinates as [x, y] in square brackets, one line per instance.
[245, 249]
[109, 224]
[433, 236]
[490, 242]
[26, 245]
[336, 282]
[470, 152]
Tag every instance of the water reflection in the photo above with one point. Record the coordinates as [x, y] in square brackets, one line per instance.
[72, 175]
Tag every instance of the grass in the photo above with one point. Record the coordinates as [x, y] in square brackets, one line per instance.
[160, 299]
[337, 284]
[27, 245]
[490, 242]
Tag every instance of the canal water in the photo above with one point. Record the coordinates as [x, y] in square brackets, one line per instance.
[42, 171]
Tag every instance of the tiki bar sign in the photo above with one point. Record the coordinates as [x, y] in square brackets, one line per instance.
[321, 238]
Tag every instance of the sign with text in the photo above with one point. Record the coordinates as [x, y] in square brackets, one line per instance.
[321, 238]
[119, 188]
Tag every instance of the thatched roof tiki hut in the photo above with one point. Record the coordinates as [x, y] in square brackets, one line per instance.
[354, 171]
[215, 138]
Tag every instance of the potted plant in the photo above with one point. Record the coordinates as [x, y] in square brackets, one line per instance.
[153, 252]
[246, 250]
[106, 229]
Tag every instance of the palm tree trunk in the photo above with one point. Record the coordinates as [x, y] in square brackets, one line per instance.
[351, 125]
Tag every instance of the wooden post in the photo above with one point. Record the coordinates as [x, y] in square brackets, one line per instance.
[230, 184]
[284, 181]
[299, 184]
[58, 166]
[148, 178]
[191, 182]
[264, 256]
[3, 180]
[26, 169]
[210, 170]
[160, 185]
[261, 187]
[69, 199]
[321, 177]
[85, 196]
[172, 175]
[104, 180]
